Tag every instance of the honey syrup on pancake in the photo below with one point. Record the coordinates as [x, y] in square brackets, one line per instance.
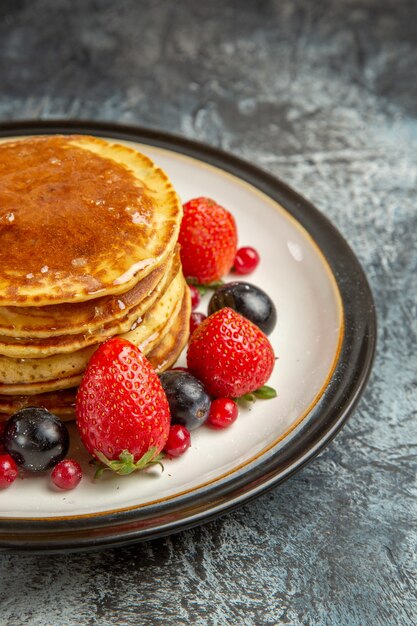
[74, 318]
[65, 212]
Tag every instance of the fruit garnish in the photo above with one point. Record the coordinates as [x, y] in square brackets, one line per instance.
[36, 439]
[208, 240]
[179, 440]
[223, 412]
[203, 289]
[189, 402]
[8, 471]
[263, 393]
[249, 301]
[196, 319]
[2, 425]
[230, 355]
[126, 463]
[122, 411]
[195, 296]
[246, 260]
[67, 474]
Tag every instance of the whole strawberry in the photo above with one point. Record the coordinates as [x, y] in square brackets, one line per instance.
[208, 239]
[230, 355]
[122, 412]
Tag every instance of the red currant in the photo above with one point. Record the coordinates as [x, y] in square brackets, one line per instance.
[223, 412]
[246, 260]
[195, 320]
[195, 297]
[179, 440]
[66, 474]
[8, 471]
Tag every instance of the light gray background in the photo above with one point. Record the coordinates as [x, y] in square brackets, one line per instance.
[324, 95]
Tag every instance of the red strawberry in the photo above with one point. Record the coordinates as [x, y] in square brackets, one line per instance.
[230, 355]
[122, 411]
[208, 239]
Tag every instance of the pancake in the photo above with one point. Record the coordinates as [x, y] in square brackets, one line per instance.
[74, 318]
[80, 218]
[89, 251]
[64, 370]
[43, 347]
[62, 403]
[168, 350]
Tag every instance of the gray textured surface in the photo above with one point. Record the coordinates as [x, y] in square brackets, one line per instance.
[324, 95]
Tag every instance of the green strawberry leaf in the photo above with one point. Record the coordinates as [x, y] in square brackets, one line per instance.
[203, 288]
[248, 398]
[263, 393]
[100, 469]
[125, 464]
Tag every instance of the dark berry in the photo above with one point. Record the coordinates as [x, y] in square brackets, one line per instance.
[249, 301]
[179, 440]
[223, 412]
[189, 402]
[2, 425]
[66, 474]
[36, 439]
[246, 260]
[195, 320]
[8, 471]
[195, 297]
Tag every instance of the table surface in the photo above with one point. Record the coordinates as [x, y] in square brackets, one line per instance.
[324, 95]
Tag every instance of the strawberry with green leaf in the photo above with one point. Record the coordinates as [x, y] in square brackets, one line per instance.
[122, 412]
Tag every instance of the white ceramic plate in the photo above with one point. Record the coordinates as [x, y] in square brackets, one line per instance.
[324, 341]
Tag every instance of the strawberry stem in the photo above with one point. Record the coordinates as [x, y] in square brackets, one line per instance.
[126, 463]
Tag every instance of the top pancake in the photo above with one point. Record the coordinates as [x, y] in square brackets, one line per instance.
[80, 218]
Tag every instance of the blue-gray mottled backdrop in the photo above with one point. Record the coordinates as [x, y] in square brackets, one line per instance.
[324, 95]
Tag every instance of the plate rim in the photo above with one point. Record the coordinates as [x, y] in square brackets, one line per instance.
[312, 435]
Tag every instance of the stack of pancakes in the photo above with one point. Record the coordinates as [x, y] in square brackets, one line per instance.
[88, 250]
